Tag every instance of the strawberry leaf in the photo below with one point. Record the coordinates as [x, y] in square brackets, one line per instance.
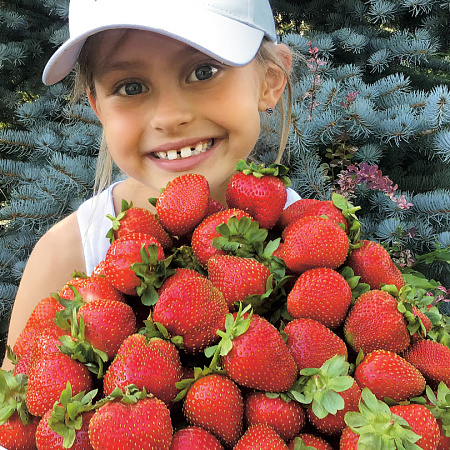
[13, 389]
[332, 402]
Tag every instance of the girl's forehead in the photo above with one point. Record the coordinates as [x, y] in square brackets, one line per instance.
[120, 47]
[125, 40]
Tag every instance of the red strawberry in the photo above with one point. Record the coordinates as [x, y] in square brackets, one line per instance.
[237, 278]
[152, 364]
[287, 418]
[306, 299]
[432, 359]
[96, 330]
[258, 358]
[180, 273]
[47, 341]
[179, 213]
[387, 374]
[374, 323]
[106, 324]
[326, 208]
[214, 402]
[22, 364]
[15, 435]
[140, 421]
[262, 437]
[422, 423]
[374, 265]
[259, 191]
[310, 440]
[17, 426]
[91, 288]
[99, 269]
[313, 242]
[46, 438]
[348, 440]
[312, 343]
[194, 438]
[214, 207]
[426, 322]
[205, 232]
[132, 219]
[43, 316]
[193, 309]
[124, 252]
[294, 211]
[48, 377]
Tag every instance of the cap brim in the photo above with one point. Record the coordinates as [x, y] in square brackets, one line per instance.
[236, 46]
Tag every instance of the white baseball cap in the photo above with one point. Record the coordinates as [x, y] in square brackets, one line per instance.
[228, 30]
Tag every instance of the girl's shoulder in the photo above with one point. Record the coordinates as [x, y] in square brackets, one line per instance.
[55, 257]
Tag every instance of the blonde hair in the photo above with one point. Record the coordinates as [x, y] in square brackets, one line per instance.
[267, 55]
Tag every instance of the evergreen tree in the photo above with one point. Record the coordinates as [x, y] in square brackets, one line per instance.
[371, 101]
[47, 146]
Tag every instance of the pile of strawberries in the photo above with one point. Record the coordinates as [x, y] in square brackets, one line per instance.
[247, 327]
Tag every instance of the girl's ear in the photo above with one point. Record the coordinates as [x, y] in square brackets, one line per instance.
[93, 102]
[275, 79]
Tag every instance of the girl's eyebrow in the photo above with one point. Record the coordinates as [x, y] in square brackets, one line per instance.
[122, 65]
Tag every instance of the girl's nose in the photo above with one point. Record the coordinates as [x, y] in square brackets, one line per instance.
[171, 110]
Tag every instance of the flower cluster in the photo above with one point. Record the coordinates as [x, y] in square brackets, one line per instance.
[445, 297]
[314, 64]
[349, 99]
[373, 178]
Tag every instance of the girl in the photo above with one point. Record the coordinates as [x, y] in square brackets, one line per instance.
[178, 86]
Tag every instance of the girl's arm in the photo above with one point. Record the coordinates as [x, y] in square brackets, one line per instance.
[51, 264]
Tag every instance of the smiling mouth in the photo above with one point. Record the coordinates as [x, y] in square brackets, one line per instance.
[186, 152]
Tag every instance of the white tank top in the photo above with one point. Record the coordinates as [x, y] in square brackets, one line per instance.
[94, 224]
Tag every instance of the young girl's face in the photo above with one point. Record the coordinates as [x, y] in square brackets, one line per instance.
[168, 109]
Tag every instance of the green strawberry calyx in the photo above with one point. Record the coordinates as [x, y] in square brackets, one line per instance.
[240, 237]
[419, 292]
[116, 220]
[13, 390]
[353, 281]
[260, 170]
[378, 427]
[184, 257]
[66, 416]
[354, 225]
[234, 327]
[152, 273]
[185, 384]
[320, 387]
[440, 405]
[152, 330]
[75, 344]
[299, 444]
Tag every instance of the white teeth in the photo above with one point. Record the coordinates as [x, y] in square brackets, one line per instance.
[199, 148]
[186, 152]
[172, 154]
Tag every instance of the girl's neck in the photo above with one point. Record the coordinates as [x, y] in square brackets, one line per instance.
[132, 190]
